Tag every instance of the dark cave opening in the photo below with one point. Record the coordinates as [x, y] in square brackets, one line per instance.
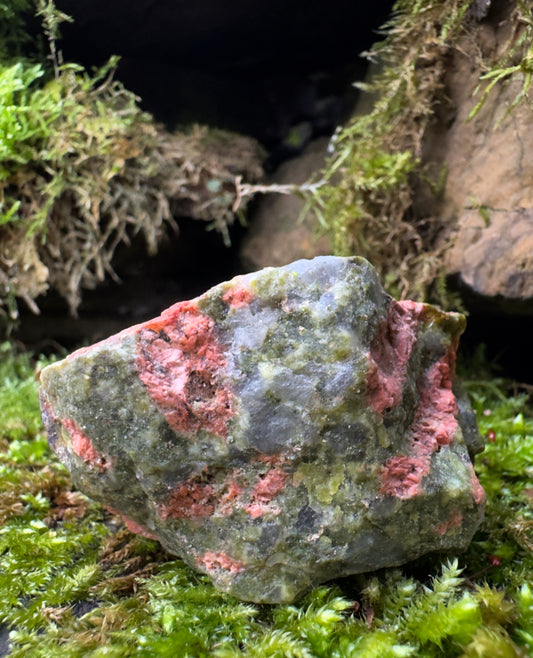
[505, 341]
[260, 71]
[257, 70]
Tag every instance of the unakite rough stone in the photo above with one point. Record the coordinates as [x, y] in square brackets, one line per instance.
[285, 428]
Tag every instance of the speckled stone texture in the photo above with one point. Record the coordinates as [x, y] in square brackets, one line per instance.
[285, 428]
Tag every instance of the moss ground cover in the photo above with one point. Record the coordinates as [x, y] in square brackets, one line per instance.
[75, 582]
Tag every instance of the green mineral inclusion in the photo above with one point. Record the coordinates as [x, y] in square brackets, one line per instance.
[271, 284]
[322, 481]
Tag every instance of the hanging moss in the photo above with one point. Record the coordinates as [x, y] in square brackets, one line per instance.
[516, 61]
[365, 200]
[367, 195]
[74, 582]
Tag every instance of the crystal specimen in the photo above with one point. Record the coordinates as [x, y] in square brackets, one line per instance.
[285, 428]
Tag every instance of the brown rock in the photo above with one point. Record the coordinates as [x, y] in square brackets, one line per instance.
[487, 203]
[496, 260]
[277, 236]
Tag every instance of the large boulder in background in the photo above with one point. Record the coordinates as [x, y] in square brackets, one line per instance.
[285, 428]
[487, 201]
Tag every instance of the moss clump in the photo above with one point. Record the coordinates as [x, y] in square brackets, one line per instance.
[62, 144]
[367, 196]
[83, 170]
[378, 165]
[73, 582]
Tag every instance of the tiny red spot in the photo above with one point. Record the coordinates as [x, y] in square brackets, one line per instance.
[491, 435]
[494, 560]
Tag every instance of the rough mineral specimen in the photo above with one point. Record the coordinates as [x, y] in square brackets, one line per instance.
[285, 428]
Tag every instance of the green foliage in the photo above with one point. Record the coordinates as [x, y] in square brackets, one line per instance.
[83, 169]
[508, 66]
[70, 120]
[79, 128]
[67, 139]
[13, 34]
[366, 195]
[52, 18]
[19, 407]
[25, 119]
[74, 584]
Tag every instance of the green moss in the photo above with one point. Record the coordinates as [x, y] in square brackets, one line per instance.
[377, 169]
[367, 190]
[517, 61]
[19, 407]
[13, 34]
[64, 135]
[73, 582]
[83, 169]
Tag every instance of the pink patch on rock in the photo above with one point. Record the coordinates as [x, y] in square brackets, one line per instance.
[179, 362]
[452, 523]
[434, 425]
[216, 560]
[229, 499]
[478, 493]
[435, 420]
[266, 489]
[138, 529]
[82, 446]
[192, 499]
[269, 485]
[237, 297]
[401, 476]
[133, 526]
[390, 352]
[201, 496]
